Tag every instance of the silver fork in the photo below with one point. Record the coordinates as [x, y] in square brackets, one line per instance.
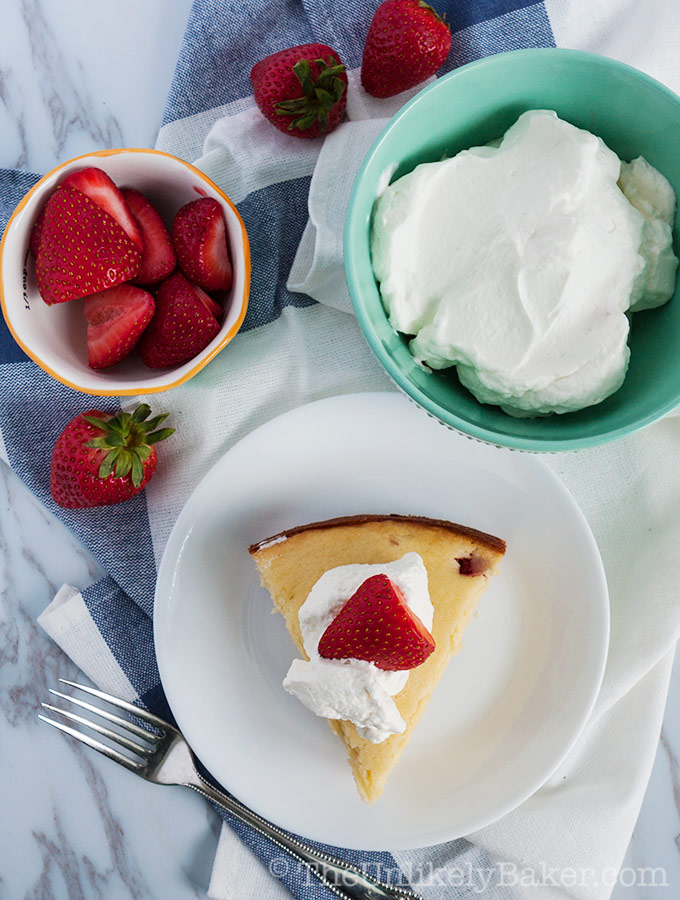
[164, 757]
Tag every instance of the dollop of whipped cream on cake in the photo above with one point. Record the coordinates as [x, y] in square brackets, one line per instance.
[517, 262]
[354, 689]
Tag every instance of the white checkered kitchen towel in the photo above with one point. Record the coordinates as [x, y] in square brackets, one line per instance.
[293, 350]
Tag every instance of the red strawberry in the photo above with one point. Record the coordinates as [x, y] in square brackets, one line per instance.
[82, 249]
[301, 90]
[182, 325]
[158, 255]
[97, 185]
[211, 305]
[36, 234]
[101, 458]
[199, 232]
[200, 235]
[407, 42]
[377, 625]
[116, 319]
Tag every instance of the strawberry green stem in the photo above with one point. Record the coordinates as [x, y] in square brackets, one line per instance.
[319, 96]
[440, 18]
[127, 438]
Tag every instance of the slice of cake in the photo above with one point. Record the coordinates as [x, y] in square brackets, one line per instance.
[458, 563]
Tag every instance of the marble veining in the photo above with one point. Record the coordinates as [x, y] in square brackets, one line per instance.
[674, 769]
[78, 77]
[64, 87]
[83, 827]
[8, 97]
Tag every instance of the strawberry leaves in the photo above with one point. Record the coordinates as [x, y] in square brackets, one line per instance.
[319, 95]
[102, 458]
[127, 439]
[301, 90]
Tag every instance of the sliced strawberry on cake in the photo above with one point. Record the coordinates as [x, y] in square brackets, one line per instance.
[377, 625]
[81, 249]
[116, 319]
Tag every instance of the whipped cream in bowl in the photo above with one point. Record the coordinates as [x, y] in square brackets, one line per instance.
[355, 690]
[519, 262]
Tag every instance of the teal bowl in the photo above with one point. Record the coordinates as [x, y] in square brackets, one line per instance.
[635, 116]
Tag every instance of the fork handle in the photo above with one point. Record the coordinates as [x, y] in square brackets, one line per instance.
[342, 878]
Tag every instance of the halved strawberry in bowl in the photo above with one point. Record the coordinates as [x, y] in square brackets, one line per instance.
[97, 185]
[116, 319]
[81, 249]
[182, 326]
[199, 233]
[377, 625]
[36, 233]
[210, 304]
[158, 255]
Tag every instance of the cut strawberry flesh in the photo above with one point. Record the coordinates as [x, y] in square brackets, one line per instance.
[377, 625]
[116, 319]
[211, 305]
[472, 565]
[82, 249]
[199, 233]
[97, 185]
[158, 256]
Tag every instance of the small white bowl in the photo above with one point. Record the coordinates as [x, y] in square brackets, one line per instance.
[55, 336]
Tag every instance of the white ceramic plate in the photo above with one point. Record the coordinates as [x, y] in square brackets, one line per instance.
[510, 705]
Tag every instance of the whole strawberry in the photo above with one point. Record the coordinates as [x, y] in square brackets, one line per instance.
[301, 90]
[102, 458]
[407, 42]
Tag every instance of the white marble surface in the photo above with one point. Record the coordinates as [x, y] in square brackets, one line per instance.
[75, 77]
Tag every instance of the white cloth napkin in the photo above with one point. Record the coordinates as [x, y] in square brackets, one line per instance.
[318, 268]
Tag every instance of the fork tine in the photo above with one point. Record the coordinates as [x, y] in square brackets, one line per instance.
[110, 717]
[123, 704]
[100, 729]
[96, 745]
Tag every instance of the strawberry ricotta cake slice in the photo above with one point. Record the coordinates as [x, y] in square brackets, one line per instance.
[376, 605]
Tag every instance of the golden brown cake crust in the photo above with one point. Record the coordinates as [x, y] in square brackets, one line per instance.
[490, 540]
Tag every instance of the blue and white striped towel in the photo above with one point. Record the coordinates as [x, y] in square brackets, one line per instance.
[293, 350]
